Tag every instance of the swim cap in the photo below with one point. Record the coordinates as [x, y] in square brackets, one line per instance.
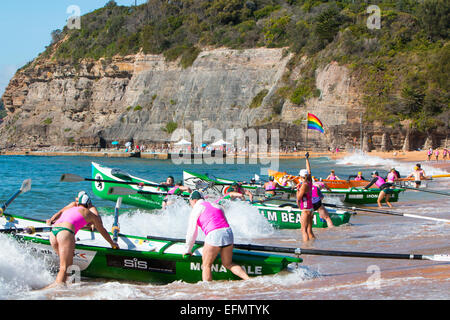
[196, 195]
[85, 200]
[303, 173]
[360, 173]
[80, 194]
[271, 178]
[375, 172]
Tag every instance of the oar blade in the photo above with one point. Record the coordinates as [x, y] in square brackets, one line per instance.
[121, 191]
[68, 177]
[438, 257]
[26, 186]
[118, 203]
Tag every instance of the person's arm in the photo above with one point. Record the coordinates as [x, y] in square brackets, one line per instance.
[300, 194]
[308, 166]
[192, 231]
[250, 195]
[371, 183]
[100, 228]
[58, 214]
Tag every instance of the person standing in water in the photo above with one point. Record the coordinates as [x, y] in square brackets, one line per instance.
[65, 226]
[210, 218]
[304, 202]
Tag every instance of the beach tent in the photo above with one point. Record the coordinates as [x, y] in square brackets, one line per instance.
[220, 143]
[183, 142]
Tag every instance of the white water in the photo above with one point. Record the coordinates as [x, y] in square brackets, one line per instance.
[19, 270]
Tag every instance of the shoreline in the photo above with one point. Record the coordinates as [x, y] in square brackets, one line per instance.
[401, 156]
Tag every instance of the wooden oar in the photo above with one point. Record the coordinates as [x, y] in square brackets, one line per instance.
[386, 212]
[115, 227]
[68, 177]
[300, 251]
[26, 186]
[423, 190]
[28, 230]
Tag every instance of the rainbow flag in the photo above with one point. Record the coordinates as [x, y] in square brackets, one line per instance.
[314, 123]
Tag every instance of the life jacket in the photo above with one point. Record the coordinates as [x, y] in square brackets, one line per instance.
[271, 187]
[316, 194]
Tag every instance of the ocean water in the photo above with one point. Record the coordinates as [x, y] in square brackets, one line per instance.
[319, 277]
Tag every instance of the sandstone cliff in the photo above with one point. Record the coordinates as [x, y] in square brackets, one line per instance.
[135, 97]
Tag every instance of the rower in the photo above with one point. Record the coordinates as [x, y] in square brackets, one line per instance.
[418, 174]
[332, 176]
[385, 188]
[359, 177]
[170, 182]
[270, 187]
[176, 190]
[392, 176]
[237, 192]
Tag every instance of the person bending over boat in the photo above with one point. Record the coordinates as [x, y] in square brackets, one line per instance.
[418, 174]
[62, 236]
[219, 236]
[332, 176]
[91, 207]
[385, 188]
[270, 187]
[177, 190]
[304, 202]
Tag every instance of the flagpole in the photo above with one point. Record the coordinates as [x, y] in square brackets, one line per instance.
[306, 144]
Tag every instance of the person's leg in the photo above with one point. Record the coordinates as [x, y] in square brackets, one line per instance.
[323, 213]
[388, 196]
[380, 198]
[208, 256]
[226, 255]
[66, 243]
[304, 226]
[310, 225]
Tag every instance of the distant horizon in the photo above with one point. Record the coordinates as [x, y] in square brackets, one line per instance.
[27, 32]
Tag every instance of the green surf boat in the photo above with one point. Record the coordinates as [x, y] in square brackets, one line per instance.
[141, 259]
[150, 198]
[350, 195]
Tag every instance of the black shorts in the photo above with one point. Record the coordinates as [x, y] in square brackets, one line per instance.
[418, 182]
[317, 205]
[386, 188]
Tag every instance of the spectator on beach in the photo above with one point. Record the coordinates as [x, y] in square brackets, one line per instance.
[444, 154]
[429, 153]
[436, 154]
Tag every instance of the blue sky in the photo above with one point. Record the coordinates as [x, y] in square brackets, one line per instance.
[25, 28]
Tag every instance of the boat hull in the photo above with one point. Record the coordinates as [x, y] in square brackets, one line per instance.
[100, 189]
[144, 259]
[289, 218]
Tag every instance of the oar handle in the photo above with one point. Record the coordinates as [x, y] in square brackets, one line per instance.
[28, 230]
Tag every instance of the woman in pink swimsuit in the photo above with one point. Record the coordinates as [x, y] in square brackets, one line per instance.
[304, 202]
[210, 218]
[66, 224]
